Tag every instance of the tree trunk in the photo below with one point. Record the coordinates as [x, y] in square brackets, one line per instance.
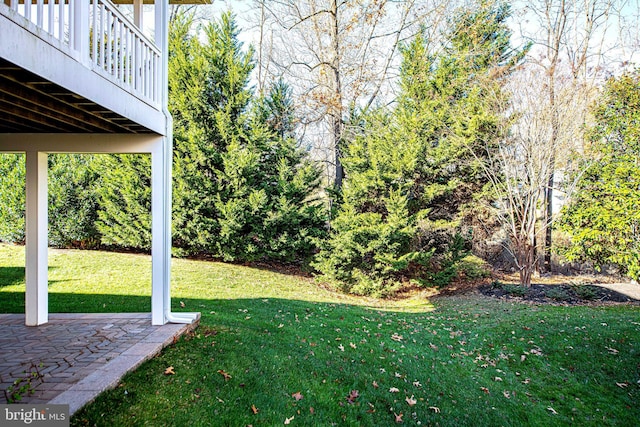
[336, 107]
[526, 263]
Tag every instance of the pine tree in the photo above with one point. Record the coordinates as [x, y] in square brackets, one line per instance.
[12, 197]
[73, 201]
[411, 173]
[124, 194]
[207, 93]
[243, 189]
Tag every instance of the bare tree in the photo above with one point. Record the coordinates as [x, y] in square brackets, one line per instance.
[338, 55]
[571, 41]
[518, 170]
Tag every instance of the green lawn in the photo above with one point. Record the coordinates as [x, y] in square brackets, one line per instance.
[295, 352]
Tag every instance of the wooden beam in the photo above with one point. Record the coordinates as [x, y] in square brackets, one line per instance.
[58, 102]
[53, 111]
[28, 123]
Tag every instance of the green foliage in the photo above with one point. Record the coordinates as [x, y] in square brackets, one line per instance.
[12, 197]
[604, 217]
[412, 172]
[73, 202]
[243, 190]
[473, 267]
[124, 192]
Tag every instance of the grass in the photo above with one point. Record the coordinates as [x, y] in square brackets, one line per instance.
[294, 351]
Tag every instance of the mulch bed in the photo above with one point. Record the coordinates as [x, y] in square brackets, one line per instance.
[555, 294]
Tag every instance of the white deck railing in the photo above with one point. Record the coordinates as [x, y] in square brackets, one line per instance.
[100, 36]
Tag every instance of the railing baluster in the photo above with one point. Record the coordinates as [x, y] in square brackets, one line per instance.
[127, 79]
[109, 59]
[61, 21]
[94, 41]
[52, 15]
[27, 10]
[100, 34]
[40, 13]
[103, 37]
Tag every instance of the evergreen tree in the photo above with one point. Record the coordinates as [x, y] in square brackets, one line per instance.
[124, 194]
[12, 197]
[242, 188]
[207, 93]
[412, 172]
[267, 184]
[604, 217]
[73, 201]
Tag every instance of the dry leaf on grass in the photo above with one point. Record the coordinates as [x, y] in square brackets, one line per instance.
[297, 396]
[169, 371]
[288, 420]
[411, 400]
[224, 374]
[254, 409]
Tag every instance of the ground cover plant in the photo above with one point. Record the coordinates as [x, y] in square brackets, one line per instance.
[276, 349]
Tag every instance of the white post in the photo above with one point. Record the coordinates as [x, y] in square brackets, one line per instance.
[81, 30]
[36, 276]
[160, 236]
[137, 13]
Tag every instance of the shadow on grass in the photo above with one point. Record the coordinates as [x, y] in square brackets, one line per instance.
[11, 276]
[13, 302]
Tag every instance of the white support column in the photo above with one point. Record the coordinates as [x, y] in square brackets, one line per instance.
[137, 13]
[37, 297]
[160, 236]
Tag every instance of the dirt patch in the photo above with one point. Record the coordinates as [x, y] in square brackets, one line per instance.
[564, 294]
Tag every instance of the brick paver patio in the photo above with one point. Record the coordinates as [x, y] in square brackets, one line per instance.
[78, 355]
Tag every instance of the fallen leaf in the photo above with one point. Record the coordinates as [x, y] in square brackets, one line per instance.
[411, 400]
[612, 350]
[397, 337]
[311, 410]
[417, 384]
[497, 379]
[398, 417]
[254, 409]
[486, 390]
[297, 396]
[553, 411]
[375, 384]
[169, 371]
[523, 358]
[288, 420]
[622, 385]
[394, 390]
[435, 409]
[352, 345]
[224, 374]
[506, 394]
[181, 304]
[341, 347]
[353, 395]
